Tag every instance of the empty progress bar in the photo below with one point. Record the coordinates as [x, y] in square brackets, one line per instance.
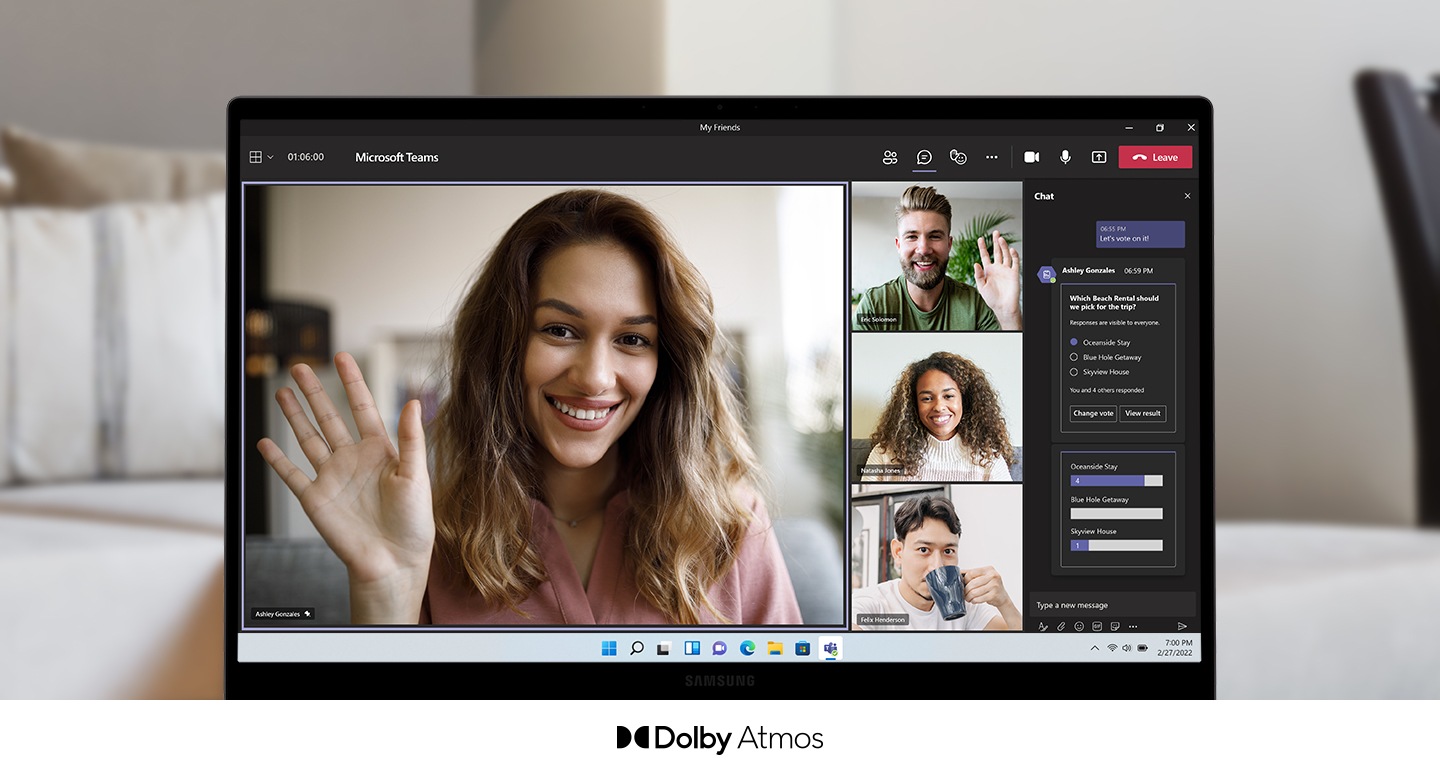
[1117, 480]
[1117, 545]
[1119, 513]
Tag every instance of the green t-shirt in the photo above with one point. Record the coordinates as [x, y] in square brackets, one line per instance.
[888, 307]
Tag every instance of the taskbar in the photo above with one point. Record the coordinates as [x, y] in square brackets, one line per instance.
[759, 646]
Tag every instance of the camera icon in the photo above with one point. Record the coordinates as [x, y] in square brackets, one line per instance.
[1099, 157]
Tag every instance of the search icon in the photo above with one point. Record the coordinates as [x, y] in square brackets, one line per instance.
[637, 647]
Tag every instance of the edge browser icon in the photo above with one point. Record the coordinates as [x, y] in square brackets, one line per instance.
[747, 648]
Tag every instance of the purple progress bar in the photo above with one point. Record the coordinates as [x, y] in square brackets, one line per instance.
[1117, 545]
[1116, 480]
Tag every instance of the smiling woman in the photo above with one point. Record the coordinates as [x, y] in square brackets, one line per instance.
[942, 423]
[589, 464]
[592, 357]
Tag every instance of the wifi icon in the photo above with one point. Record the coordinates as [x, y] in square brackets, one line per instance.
[1112, 647]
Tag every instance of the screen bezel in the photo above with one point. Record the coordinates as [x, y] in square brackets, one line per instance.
[662, 680]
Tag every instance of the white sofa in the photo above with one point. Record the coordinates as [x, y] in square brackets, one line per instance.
[112, 589]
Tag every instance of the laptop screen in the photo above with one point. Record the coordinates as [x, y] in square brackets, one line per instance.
[720, 397]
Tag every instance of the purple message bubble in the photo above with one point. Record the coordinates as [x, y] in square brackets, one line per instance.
[1166, 234]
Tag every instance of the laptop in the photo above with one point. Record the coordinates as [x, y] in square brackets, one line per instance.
[720, 397]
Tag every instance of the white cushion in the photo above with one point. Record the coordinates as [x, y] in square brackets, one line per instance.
[172, 286]
[54, 419]
[115, 340]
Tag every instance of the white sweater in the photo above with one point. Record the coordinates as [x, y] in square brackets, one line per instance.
[942, 461]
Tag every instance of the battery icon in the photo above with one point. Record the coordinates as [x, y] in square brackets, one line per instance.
[1142, 648]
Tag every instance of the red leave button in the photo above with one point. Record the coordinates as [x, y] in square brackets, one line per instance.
[1155, 157]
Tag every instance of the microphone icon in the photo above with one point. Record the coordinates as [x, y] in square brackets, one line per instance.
[1065, 156]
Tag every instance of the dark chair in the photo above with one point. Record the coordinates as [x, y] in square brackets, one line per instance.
[1405, 145]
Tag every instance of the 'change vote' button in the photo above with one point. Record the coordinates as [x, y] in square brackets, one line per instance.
[1092, 414]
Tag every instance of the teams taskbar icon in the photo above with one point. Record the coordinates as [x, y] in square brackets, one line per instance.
[827, 648]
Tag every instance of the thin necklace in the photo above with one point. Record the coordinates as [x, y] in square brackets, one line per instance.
[577, 521]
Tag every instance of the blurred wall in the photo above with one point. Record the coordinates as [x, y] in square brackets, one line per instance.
[159, 72]
[563, 47]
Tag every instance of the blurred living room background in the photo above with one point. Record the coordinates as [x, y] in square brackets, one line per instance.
[1315, 432]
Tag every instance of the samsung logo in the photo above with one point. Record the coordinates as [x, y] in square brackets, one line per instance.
[719, 680]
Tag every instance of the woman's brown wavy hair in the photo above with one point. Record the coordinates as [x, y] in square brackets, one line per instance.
[982, 425]
[682, 459]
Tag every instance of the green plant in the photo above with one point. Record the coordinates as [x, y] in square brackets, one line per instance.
[965, 252]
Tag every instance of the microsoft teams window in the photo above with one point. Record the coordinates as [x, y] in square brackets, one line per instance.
[722, 390]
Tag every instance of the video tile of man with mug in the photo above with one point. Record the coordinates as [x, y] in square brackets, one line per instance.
[932, 592]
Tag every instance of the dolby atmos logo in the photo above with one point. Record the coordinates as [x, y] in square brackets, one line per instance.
[701, 738]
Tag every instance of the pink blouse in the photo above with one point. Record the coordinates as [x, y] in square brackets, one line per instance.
[755, 591]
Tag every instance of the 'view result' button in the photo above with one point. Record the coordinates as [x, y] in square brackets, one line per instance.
[1143, 414]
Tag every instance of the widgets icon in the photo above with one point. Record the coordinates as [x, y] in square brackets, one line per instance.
[609, 648]
[692, 647]
[831, 648]
[662, 648]
[802, 648]
[747, 648]
[775, 648]
[718, 648]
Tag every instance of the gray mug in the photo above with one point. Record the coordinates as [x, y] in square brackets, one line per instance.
[947, 588]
